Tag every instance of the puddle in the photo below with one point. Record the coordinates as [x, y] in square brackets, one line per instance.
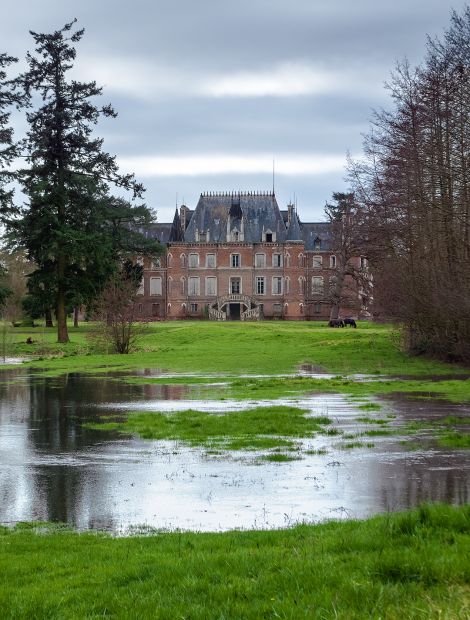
[55, 469]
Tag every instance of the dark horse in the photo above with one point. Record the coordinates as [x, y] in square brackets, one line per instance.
[335, 323]
[351, 322]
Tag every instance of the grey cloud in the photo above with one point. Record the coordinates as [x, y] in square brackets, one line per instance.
[181, 44]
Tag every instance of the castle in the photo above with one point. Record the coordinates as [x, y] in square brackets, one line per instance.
[237, 256]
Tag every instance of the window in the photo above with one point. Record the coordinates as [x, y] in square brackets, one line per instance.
[317, 244]
[155, 286]
[193, 307]
[363, 262]
[183, 260]
[317, 285]
[260, 286]
[277, 260]
[269, 237]
[317, 308]
[211, 286]
[193, 286]
[140, 290]
[302, 285]
[287, 285]
[277, 286]
[210, 261]
[183, 285]
[235, 235]
[333, 262]
[193, 260]
[140, 308]
[235, 260]
[317, 261]
[277, 309]
[260, 260]
[235, 286]
[156, 263]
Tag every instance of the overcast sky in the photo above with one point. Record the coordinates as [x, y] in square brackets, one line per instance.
[208, 92]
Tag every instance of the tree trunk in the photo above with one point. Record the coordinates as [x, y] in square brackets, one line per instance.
[62, 332]
[48, 317]
[75, 316]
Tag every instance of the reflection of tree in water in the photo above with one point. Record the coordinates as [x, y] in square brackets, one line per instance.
[47, 415]
[411, 481]
[60, 405]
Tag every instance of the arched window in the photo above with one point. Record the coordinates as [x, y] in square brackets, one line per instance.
[183, 285]
[183, 260]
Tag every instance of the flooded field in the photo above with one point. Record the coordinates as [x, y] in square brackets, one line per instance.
[55, 468]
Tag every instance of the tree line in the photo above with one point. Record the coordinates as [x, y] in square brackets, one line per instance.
[70, 224]
[412, 192]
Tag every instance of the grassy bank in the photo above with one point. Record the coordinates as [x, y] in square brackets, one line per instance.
[265, 347]
[409, 565]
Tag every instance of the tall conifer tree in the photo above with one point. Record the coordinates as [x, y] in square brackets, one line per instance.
[66, 222]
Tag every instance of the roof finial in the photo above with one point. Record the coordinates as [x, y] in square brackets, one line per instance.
[273, 175]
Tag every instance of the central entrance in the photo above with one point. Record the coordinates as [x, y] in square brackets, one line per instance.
[234, 307]
[234, 312]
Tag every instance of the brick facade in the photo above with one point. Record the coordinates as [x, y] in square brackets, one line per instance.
[237, 256]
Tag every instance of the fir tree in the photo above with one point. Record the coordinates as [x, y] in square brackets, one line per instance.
[68, 225]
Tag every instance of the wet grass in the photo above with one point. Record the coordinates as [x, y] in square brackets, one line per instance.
[264, 347]
[277, 387]
[454, 439]
[370, 406]
[254, 429]
[410, 565]
[367, 420]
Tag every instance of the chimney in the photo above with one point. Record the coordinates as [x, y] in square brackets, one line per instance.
[290, 211]
[183, 216]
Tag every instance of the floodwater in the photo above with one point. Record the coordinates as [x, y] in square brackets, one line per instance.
[54, 469]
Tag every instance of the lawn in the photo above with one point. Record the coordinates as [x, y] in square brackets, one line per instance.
[268, 347]
[395, 566]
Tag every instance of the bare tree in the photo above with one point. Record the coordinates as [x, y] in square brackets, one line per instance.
[414, 186]
[349, 287]
[115, 312]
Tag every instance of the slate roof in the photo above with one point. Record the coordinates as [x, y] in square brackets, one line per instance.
[160, 232]
[294, 232]
[316, 230]
[260, 213]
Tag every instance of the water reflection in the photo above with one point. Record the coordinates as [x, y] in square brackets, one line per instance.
[55, 469]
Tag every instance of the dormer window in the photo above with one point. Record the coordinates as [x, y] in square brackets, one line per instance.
[269, 237]
[317, 244]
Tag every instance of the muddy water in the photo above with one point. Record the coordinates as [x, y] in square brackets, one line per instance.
[52, 468]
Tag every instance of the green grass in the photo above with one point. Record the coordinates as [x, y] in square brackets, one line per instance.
[412, 565]
[277, 387]
[454, 439]
[235, 347]
[370, 406]
[253, 429]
